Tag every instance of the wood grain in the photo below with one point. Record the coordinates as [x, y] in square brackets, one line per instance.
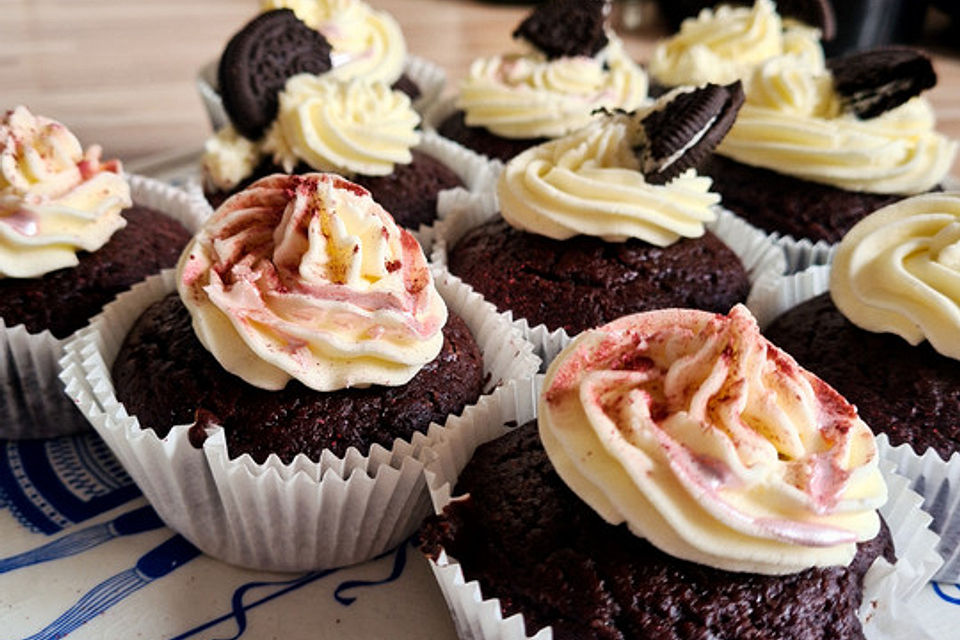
[121, 72]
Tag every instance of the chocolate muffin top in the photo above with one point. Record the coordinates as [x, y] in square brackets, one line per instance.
[165, 377]
[543, 552]
[584, 282]
[64, 300]
[911, 393]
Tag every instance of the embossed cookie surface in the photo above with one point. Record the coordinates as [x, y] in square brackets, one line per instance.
[561, 28]
[257, 62]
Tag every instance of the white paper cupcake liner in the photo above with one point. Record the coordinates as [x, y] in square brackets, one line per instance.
[428, 77]
[886, 611]
[935, 479]
[32, 402]
[273, 516]
[461, 211]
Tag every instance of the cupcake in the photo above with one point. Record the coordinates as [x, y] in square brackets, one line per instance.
[292, 110]
[73, 234]
[572, 66]
[607, 221]
[816, 148]
[725, 44]
[269, 408]
[684, 478]
[885, 335]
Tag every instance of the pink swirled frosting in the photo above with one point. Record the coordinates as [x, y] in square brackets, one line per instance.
[308, 277]
[711, 443]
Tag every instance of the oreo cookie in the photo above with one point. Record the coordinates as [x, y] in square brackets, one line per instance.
[562, 28]
[681, 133]
[872, 82]
[257, 62]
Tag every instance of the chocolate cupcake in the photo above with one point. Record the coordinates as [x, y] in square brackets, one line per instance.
[608, 221]
[308, 345]
[816, 148]
[572, 66]
[631, 513]
[75, 233]
[885, 334]
[292, 110]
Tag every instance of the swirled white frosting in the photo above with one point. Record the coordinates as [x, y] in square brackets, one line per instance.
[355, 127]
[347, 127]
[55, 199]
[525, 95]
[366, 43]
[590, 182]
[307, 277]
[793, 123]
[723, 45]
[898, 271]
[711, 443]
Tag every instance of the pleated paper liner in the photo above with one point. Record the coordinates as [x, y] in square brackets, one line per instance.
[935, 479]
[273, 516]
[886, 610]
[461, 211]
[429, 77]
[32, 403]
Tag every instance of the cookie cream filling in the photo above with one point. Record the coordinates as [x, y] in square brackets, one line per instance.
[55, 198]
[366, 43]
[792, 122]
[711, 443]
[525, 95]
[307, 277]
[355, 127]
[724, 44]
[591, 182]
[898, 271]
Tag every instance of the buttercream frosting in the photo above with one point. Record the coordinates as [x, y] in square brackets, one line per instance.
[348, 127]
[792, 122]
[55, 198]
[307, 277]
[723, 45]
[711, 443]
[898, 271]
[590, 182]
[525, 95]
[366, 43]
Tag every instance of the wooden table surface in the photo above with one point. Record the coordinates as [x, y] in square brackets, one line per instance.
[121, 72]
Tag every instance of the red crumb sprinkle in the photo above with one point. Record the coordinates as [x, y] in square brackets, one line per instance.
[392, 265]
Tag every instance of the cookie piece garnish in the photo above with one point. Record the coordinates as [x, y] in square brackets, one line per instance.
[562, 28]
[681, 133]
[816, 13]
[872, 82]
[257, 62]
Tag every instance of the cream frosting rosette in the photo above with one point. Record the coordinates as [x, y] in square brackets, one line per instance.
[55, 198]
[591, 182]
[724, 44]
[898, 271]
[792, 122]
[355, 127]
[308, 277]
[711, 443]
[366, 43]
[525, 95]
